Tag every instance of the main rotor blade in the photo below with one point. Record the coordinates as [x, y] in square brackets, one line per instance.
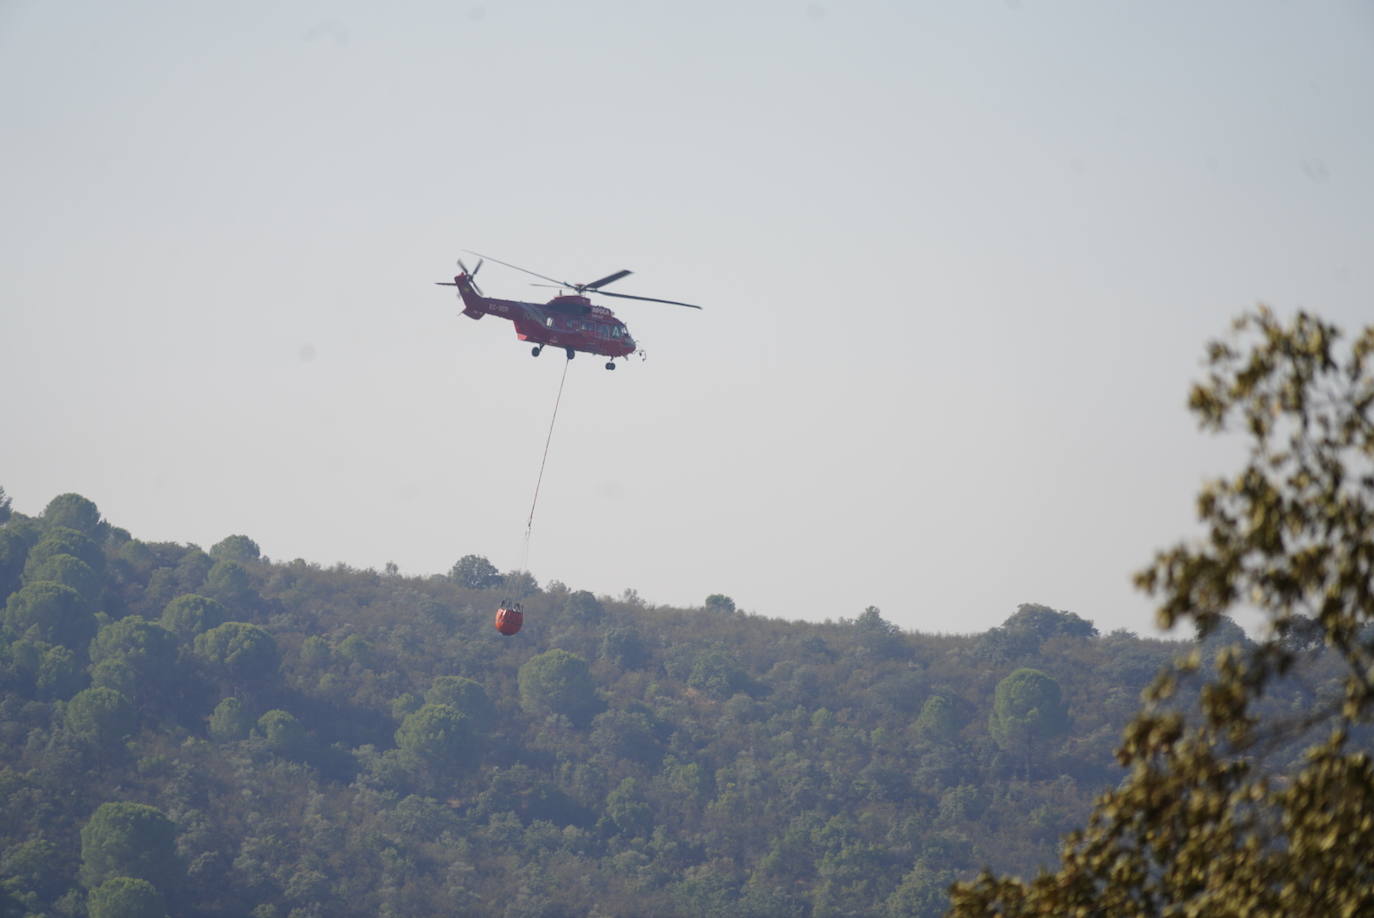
[607, 279]
[518, 268]
[651, 299]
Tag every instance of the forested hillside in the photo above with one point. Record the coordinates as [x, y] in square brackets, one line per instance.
[213, 733]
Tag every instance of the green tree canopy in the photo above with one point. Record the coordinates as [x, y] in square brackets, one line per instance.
[1202, 825]
[624, 647]
[60, 673]
[74, 512]
[235, 548]
[190, 614]
[116, 673]
[876, 637]
[241, 650]
[53, 613]
[126, 897]
[719, 602]
[192, 567]
[1045, 623]
[519, 584]
[1032, 624]
[582, 606]
[465, 696]
[436, 739]
[627, 735]
[68, 570]
[283, 733]
[716, 673]
[14, 549]
[923, 893]
[228, 582]
[871, 620]
[37, 866]
[315, 651]
[359, 650]
[476, 573]
[230, 720]
[100, 716]
[148, 647]
[939, 720]
[63, 540]
[125, 839]
[558, 682]
[1027, 711]
[626, 810]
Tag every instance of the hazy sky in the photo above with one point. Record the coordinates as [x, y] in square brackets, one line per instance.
[959, 261]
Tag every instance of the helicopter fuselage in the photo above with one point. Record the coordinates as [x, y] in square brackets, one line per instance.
[570, 321]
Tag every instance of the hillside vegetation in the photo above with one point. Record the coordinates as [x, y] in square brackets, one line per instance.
[213, 733]
[218, 734]
[226, 735]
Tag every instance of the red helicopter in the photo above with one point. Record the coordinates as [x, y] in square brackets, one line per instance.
[569, 320]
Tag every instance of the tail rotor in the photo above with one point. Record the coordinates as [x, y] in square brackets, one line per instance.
[473, 274]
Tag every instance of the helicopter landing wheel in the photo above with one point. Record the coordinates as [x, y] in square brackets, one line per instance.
[610, 365]
[570, 353]
[534, 351]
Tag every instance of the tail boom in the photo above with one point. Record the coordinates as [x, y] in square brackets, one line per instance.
[474, 304]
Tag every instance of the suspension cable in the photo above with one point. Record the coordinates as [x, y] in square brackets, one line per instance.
[529, 523]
